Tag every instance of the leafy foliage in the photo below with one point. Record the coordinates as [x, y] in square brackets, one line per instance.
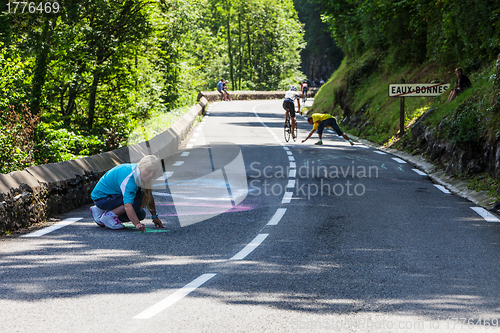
[448, 31]
[98, 69]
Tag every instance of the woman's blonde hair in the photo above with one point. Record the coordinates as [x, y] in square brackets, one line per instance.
[149, 163]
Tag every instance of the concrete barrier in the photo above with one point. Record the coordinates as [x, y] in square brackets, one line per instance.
[36, 193]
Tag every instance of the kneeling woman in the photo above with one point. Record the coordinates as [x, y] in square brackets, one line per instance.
[123, 192]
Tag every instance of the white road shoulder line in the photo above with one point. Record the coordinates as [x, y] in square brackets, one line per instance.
[442, 189]
[250, 247]
[291, 183]
[399, 160]
[485, 214]
[185, 154]
[175, 297]
[277, 216]
[178, 163]
[380, 152]
[421, 173]
[54, 227]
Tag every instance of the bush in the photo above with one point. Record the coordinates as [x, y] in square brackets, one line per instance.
[16, 139]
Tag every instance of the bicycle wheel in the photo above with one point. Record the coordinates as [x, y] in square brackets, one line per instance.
[295, 131]
[287, 129]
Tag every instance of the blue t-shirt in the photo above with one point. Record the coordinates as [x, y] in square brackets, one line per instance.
[119, 180]
[220, 85]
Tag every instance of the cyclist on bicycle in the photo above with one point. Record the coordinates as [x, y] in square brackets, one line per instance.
[288, 104]
[304, 88]
[322, 120]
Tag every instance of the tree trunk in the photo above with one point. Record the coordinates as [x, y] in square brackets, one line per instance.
[41, 67]
[92, 98]
[229, 44]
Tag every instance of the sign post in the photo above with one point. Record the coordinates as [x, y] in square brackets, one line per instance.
[403, 90]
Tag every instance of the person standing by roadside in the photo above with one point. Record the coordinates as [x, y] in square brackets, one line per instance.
[123, 192]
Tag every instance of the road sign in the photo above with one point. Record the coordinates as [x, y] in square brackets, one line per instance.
[417, 89]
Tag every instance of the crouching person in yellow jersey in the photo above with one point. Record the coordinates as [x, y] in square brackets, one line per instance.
[322, 120]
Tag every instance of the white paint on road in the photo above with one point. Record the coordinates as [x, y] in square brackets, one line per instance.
[399, 160]
[380, 152]
[287, 198]
[54, 227]
[291, 183]
[175, 297]
[277, 216]
[178, 163]
[421, 173]
[485, 214]
[250, 247]
[442, 189]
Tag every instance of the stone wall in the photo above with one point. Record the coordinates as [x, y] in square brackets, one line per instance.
[212, 96]
[37, 193]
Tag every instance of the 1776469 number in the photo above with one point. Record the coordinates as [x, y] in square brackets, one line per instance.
[15, 7]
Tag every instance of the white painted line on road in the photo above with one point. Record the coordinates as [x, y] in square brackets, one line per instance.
[175, 297]
[291, 158]
[189, 146]
[421, 173]
[442, 189]
[286, 148]
[291, 173]
[291, 183]
[178, 163]
[399, 160]
[193, 140]
[380, 152]
[54, 227]
[293, 165]
[250, 247]
[166, 175]
[185, 154]
[287, 197]
[289, 152]
[485, 214]
[196, 134]
[277, 216]
[362, 146]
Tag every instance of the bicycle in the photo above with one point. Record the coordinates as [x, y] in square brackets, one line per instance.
[288, 130]
[304, 97]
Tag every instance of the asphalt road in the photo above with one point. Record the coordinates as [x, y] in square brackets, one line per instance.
[265, 236]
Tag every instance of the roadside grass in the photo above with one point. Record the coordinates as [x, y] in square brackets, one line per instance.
[374, 116]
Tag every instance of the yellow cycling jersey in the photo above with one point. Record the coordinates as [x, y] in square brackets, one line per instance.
[319, 117]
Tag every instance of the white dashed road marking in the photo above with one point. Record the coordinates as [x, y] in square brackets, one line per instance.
[399, 160]
[54, 227]
[250, 247]
[175, 297]
[442, 189]
[485, 214]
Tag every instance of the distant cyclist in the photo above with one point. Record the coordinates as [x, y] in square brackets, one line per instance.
[304, 88]
[322, 120]
[289, 105]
